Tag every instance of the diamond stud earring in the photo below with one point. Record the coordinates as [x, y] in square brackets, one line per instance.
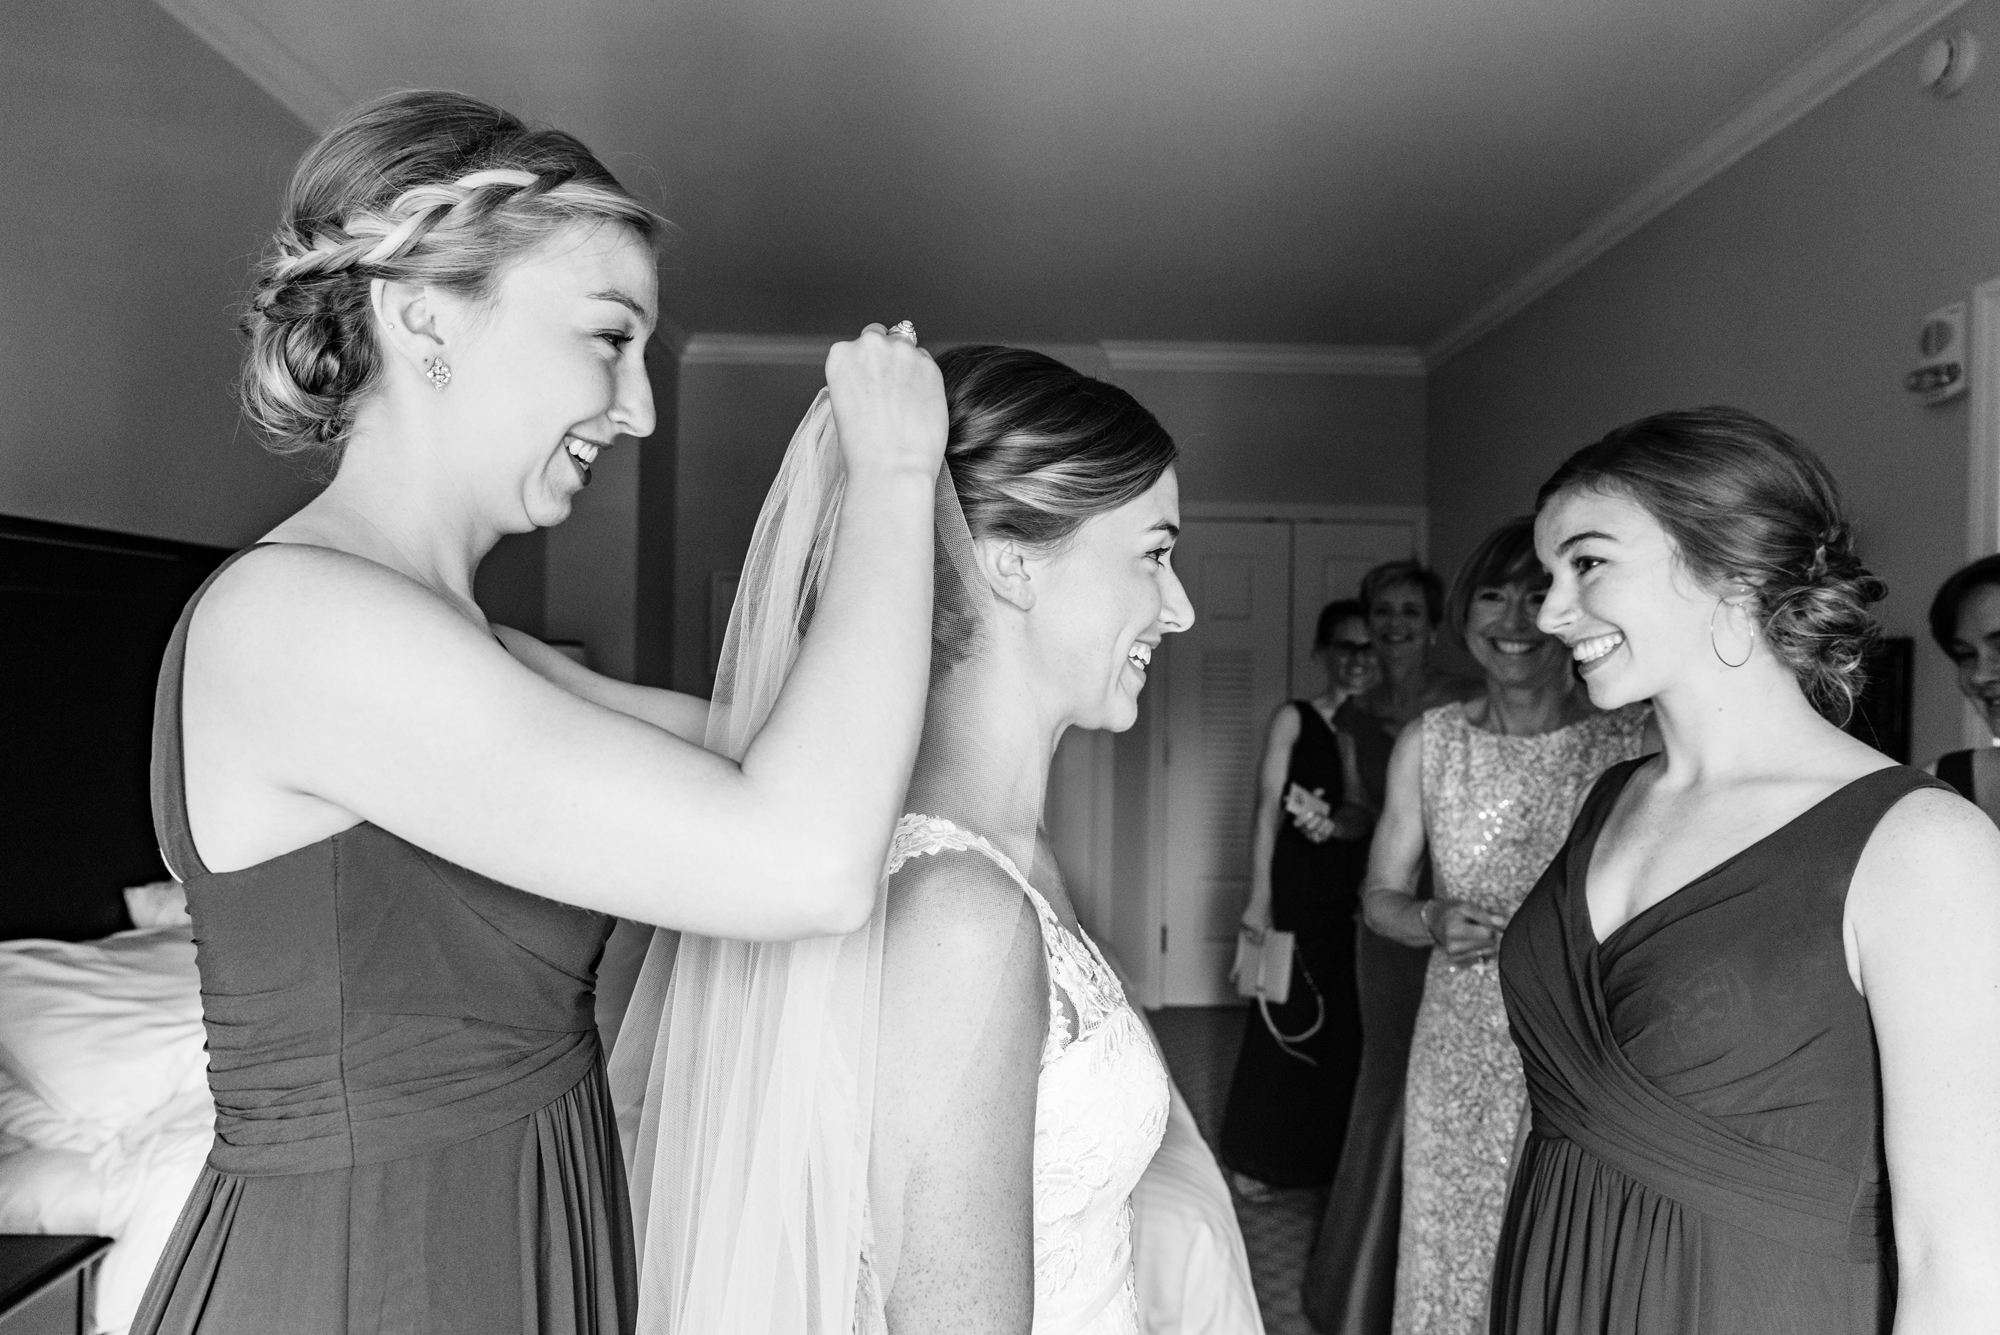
[439, 373]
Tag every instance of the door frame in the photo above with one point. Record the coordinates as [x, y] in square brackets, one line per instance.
[1982, 519]
[1151, 978]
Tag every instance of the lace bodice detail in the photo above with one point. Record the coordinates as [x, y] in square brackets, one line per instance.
[1100, 1110]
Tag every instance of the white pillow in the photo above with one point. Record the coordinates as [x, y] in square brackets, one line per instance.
[158, 904]
[102, 1032]
[27, 1119]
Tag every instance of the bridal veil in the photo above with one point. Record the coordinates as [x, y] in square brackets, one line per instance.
[744, 1072]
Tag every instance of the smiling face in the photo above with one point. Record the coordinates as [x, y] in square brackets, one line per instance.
[1502, 637]
[1635, 621]
[1349, 658]
[1975, 649]
[1399, 623]
[1103, 601]
[551, 369]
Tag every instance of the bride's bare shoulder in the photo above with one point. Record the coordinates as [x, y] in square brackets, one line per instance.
[953, 916]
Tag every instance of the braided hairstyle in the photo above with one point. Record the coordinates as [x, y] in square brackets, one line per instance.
[1744, 501]
[424, 187]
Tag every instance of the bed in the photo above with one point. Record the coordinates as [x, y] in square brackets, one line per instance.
[104, 1111]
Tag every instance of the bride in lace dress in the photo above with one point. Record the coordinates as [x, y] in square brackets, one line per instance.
[935, 1124]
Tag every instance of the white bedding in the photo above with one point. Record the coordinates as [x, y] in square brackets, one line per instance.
[105, 1116]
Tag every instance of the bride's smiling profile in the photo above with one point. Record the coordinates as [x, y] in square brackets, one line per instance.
[1019, 1096]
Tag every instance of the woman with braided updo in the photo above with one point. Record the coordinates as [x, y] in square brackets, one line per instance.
[405, 833]
[1757, 994]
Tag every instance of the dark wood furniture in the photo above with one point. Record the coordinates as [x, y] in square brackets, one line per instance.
[48, 1283]
[84, 618]
[1882, 715]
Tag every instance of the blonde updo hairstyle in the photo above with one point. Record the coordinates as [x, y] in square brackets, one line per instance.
[1745, 502]
[435, 188]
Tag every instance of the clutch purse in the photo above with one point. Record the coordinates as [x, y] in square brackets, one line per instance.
[1264, 970]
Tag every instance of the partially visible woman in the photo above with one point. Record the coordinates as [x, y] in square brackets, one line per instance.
[1404, 601]
[404, 831]
[1758, 992]
[1965, 622]
[1350, 1281]
[1294, 1082]
[1488, 787]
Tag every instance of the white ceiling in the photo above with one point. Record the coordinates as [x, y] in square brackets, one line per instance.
[1274, 171]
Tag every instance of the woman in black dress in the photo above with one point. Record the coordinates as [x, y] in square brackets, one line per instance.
[1288, 1101]
[1757, 995]
[404, 831]
[1965, 622]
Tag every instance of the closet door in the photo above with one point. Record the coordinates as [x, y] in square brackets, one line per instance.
[1223, 679]
[1328, 561]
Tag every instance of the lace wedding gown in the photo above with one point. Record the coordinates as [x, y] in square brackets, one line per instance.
[1100, 1109]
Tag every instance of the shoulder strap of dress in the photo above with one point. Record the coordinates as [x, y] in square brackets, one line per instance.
[919, 835]
[169, 774]
[1955, 768]
[1832, 836]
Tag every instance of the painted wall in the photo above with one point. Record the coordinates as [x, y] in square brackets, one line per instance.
[1792, 285]
[143, 172]
[1353, 440]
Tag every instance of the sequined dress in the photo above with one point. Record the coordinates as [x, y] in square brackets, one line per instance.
[1496, 810]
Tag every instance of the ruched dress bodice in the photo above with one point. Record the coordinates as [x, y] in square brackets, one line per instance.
[1706, 1152]
[412, 1129]
[367, 1001]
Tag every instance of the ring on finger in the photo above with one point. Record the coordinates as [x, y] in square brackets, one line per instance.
[903, 329]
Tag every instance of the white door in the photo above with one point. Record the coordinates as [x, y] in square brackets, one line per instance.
[1328, 561]
[1223, 679]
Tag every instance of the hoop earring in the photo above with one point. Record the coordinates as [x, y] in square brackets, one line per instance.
[439, 373]
[1716, 650]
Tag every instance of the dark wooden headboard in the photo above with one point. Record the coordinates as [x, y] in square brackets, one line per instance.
[84, 618]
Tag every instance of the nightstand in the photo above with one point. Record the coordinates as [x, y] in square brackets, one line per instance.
[48, 1283]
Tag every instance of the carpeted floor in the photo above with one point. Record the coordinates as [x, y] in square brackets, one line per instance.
[1200, 1045]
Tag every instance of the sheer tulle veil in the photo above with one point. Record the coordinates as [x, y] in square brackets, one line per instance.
[744, 1073]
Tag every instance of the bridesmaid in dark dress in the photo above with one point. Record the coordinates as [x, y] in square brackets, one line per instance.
[1757, 995]
[1965, 622]
[405, 832]
[1288, 1100]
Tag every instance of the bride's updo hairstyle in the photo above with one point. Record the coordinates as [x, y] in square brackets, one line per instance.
[421, 187]
[1035, 449]
[1743, 501]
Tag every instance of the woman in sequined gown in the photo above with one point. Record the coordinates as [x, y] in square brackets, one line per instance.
[1488, 786]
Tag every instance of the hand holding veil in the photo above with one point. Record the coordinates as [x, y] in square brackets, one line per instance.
[744, 1072]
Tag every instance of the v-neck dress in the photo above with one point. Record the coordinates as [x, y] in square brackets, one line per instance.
[1706, 1156]
[412, 1127]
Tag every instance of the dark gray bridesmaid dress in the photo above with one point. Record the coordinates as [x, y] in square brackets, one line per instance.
[413, 1132]
[1706, 1152]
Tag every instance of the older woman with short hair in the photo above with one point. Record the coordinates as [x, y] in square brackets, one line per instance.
[1486, 788]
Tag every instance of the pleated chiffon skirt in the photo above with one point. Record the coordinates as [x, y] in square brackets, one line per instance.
[523, 1228]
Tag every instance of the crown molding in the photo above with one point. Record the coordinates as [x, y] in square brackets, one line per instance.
[1265, 358]
[1279, 358]
[1843, 56]
[754, 350]
[299, 86]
